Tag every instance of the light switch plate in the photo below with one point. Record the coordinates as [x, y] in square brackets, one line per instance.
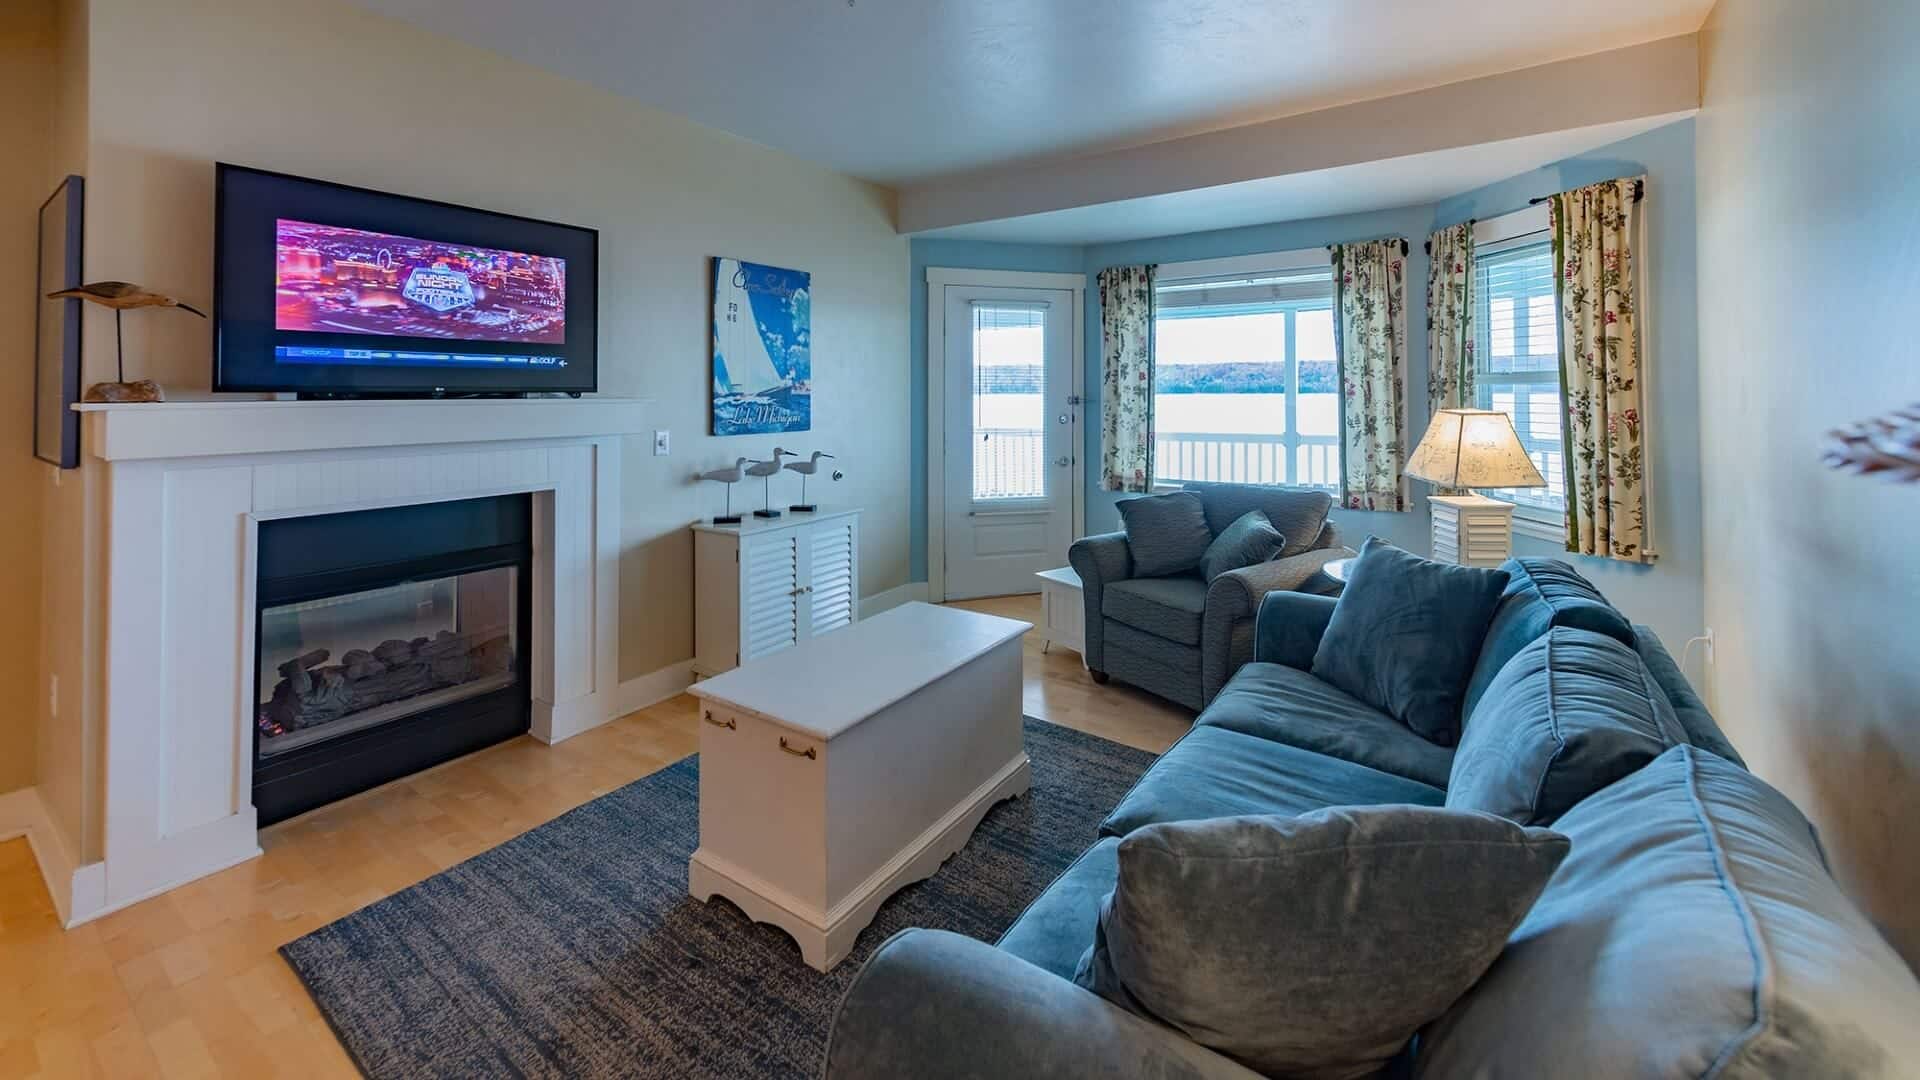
[662, 442]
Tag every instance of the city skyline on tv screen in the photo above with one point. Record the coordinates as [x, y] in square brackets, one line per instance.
[332, 279]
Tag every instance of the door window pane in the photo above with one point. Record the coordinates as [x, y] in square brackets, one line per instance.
[1009, 401]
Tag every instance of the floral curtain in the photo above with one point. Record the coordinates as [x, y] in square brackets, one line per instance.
[1126, 378]
[1369, 301]
[1593, 249]
[1450, 319]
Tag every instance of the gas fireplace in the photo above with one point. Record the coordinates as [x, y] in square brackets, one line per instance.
[388, 641]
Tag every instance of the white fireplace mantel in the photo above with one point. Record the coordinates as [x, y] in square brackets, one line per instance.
[184, 487]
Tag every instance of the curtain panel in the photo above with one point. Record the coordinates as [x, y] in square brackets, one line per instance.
[1369, 302]
[1594, 242]
[1126, 378]
[1450, 301]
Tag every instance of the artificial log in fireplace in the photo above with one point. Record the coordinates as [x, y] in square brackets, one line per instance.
[388, 641]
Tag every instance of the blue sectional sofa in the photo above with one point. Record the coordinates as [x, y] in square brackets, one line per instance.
[1694, 930]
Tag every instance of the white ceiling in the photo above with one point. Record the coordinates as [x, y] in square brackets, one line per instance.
[1375, 185]
[903, 91]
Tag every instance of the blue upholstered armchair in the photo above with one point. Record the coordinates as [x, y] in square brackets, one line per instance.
[1181, 637]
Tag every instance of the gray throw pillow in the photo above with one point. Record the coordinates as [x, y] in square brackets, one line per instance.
[1405, 635]
[1568, 715]
[1166, 534]
[1250, 539]
[1313, 946]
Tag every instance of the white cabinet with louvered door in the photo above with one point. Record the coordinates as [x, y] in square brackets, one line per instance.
[766, 585]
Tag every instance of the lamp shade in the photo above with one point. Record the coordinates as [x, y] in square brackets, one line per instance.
[1473, 448]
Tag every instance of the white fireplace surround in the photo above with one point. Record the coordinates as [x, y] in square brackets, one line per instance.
[186, 485]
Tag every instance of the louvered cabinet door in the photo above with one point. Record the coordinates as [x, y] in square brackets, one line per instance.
[769, 594]
[833, 584]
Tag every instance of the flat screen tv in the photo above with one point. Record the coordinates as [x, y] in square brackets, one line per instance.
[329, 290]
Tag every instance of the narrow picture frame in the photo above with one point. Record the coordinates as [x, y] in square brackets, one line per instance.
[57, 326]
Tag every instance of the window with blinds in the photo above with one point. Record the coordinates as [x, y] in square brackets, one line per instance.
[1245, 379]
[1517, 358]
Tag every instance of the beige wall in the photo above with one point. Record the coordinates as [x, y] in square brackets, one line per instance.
[323, 89]
[1809, 270]
[28, 78]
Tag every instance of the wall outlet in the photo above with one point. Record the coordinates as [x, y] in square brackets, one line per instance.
[424, 609]
[1708, 638]
[662, 442]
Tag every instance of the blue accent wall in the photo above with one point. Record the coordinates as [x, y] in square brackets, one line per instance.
[1667, 594]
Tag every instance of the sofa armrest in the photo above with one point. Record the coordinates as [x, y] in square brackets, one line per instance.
[936, 1005]
[1100, 560]
[1289, 628]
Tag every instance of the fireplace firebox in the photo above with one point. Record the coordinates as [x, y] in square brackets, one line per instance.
[388, 641]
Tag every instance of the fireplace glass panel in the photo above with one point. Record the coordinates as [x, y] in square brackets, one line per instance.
[341, 664]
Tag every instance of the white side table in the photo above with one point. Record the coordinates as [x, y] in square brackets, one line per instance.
[1063, 614]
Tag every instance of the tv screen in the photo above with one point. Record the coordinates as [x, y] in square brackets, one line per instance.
[328, 289]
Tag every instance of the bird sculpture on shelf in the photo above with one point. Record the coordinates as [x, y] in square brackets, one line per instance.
[122, 296]
[728, 476]
[765, 470]
[805, 469]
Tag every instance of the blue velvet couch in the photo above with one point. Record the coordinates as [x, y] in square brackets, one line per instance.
[1694, 930]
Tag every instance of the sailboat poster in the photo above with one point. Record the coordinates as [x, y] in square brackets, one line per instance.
[762, 334]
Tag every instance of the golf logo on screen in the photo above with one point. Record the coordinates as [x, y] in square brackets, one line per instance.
[438, 288]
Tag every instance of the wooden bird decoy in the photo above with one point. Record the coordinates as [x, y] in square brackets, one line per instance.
[122, 296]
[765, 470]
[807, 468]
[729, 477]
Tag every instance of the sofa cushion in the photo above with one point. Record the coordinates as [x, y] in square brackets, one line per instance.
[1290, 706]
[1693, 931]
[1540, 594]
[1405, 633]
[1299, 513]
[1168, 607]
[1166, 534]
[1214, 772]
[1250, 539]
[1313, 946]
[1570, 714]
[1687, 706]
[1057, 928]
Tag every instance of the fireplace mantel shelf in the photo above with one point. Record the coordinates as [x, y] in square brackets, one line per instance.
[214, 426]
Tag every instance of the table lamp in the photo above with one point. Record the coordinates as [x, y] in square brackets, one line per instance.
[1472, 448]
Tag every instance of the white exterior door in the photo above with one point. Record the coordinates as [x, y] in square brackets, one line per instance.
[1010, 416]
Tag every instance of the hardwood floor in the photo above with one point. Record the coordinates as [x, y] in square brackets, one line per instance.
[188, 984]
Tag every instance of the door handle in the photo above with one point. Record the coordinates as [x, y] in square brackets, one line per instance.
[1063, 462]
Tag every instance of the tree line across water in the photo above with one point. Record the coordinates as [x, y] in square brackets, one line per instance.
[1317, 377]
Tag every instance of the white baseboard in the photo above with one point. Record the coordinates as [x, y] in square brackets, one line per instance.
[892, 598]
[651, 689]
[23, 814]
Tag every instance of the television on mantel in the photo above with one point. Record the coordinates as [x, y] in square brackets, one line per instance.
[335, 291]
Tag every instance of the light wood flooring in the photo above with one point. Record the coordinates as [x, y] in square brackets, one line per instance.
[188, 984]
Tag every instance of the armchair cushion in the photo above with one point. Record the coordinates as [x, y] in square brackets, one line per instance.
[1168, 607]
[1299, 513]
[1241, 931]
[1405, 635]
[1249, 540]
[1166, 534]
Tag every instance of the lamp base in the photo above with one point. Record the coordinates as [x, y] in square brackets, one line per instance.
[1471, 530]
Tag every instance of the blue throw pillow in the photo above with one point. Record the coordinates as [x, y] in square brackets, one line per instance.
[1250, 539]
[1405, 634]
[1313, 946]
[1166, 534]
[1569, 714]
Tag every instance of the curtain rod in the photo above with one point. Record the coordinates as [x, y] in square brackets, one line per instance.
[1639, 192]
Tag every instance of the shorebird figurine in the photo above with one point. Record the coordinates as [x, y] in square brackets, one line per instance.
[729, 477]
[805, 469]
[122, 296]
[765, 470]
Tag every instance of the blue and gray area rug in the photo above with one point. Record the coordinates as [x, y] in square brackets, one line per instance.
[573, 950]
